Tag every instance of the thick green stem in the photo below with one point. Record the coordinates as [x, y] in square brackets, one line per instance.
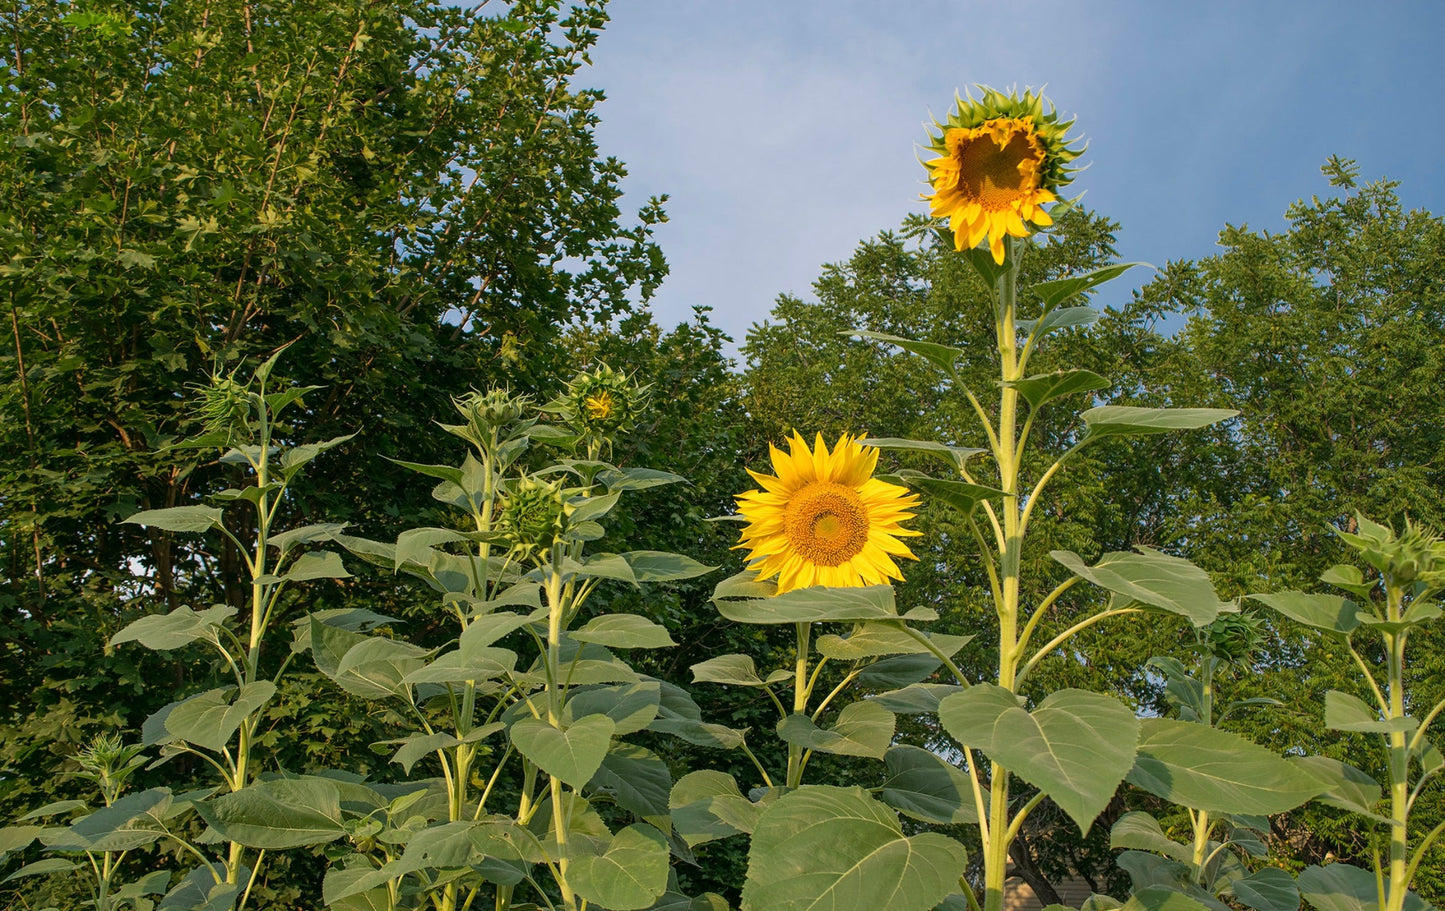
[1399, 756]
[800, 701]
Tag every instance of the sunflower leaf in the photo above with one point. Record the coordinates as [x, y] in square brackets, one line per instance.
[961, 495]
[942, 356]
[955, 456]
[815, 604]
[1059, 290]
[1043, 388]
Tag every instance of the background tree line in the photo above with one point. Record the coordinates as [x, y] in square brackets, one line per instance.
[411, 197]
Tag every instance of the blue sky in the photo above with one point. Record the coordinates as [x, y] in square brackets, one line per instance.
[785, 131]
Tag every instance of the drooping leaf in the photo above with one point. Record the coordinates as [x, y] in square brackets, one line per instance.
[916, 698]
[179, 518]
[828, 847]
[690, 804]
[1141, 832]
[1348, 787]
[658, 566]
[961, 495]
[181, 626]
[956, 457]
[874, 602]
[631, 706]
[1343, 887]
[1062, 318]
[1076, 746]
[1330, 613]
[734, 670]
[1053, 293]
[925, 787]
[635, 778]
[1209, 769]
[1344, 712]
[209, 719]
[316, 565]
[1152, 578]
[942, 356]
[1268, 889]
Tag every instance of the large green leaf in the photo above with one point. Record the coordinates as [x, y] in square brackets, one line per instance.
[1127, 420]
[635, 778]
[131, 822]
[873, 640]
[1348, 787]
[1141, 832]
[1044, 388]
[44, 868]
[734, 670]
[925, 787]
[316, 565]
[1062, 318]
[179, 518]
[459, 667]
[376, 666]
[631, 706]
[862, 729]
[1161, 898]
[1152, 578]
[278, 814]
[1076, 746]
[1344, 712]
[1267, 889]
[1331, 613]
[916, 698]
[679, 716]
[1209, 769]
[1053, 293]
[690, 802]
[209, 719]
[658, 566]
[941, 356]
[629, 876]
[637, 478]
[1342, 887]
[571, 755]
[181, 626]
[836, 849]
[819, 604]
[623, 631]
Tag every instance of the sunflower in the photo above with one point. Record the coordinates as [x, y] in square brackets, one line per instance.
[825, 520]
[1000, 160]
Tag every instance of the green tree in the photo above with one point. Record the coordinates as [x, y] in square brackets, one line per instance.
[407, 193]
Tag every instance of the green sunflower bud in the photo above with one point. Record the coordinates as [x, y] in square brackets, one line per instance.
[1416, 554]
[225, 406]
[533, 514]
[1234, 638]
[603, 402]
[495, 409]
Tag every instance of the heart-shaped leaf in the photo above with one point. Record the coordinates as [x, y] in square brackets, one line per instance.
[628, 876]
[925, 787]
[572, 755]
[1076, 746]
[826, 847]
[1153, 578]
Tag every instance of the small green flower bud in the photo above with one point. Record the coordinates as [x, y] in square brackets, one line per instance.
[603, 402]
[533, 514]
[225, 406]
[495, 409]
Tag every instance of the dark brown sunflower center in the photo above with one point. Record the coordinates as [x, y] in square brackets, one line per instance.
[826, 523]
[997, 176]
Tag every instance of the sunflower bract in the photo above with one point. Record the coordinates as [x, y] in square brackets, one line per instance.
[1000, 159]
[824, 519]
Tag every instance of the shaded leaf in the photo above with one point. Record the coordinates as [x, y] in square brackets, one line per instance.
[925, 787]
[1153, 578]
[278, 814]
[1209, 769]
[572, 755]
[862, 729]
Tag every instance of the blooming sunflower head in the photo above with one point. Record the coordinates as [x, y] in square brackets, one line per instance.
[824, 519]
[1000, 159]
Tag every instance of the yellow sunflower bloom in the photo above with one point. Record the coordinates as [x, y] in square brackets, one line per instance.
[1000, 159]
[824, 519]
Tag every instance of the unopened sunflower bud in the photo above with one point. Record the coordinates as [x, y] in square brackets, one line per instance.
[533, 514]
[225, 406]
[491, 410]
